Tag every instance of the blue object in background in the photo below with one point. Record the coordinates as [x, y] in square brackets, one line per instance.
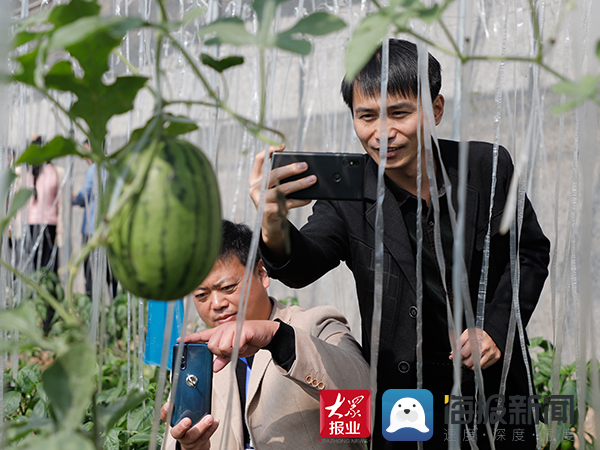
[156, 326]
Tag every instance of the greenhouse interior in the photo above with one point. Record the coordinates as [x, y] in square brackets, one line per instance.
[97, 89]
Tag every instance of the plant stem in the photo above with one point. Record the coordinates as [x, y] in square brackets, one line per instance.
[263, 89]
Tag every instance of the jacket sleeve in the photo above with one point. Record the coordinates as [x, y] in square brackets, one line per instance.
[327, 355]
[534, 256]
[316, 248]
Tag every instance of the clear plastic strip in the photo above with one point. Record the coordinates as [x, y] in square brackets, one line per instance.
[378, 288]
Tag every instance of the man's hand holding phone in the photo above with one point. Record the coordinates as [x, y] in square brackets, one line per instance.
[276, 204]
[192, 438]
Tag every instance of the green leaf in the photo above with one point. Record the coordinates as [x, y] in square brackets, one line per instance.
[69, 384]
[141, 418]
[586, 89]
[221, 65]
[429, 15]
[318, 24]
[535, 342]
[12, 400]
[22, 319]
[107, 101]
[28, 378]
[111, 441]
[56, 148]
[194, 13]
[40, 410]
[109, 416]
[265, 13]
[64, 14]
[299, 46]
[18, 201]
[91, 40]
[139, 438]
[22, 427]
[364, 42]
[26, 70]
[176, 125]
[229, 30]
[23, 38]
[7, 177]
[61, 440]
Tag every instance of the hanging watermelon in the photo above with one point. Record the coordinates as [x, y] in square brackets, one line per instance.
[164, 242]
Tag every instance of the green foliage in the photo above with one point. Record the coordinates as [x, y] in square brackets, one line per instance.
[51, 399]
[557, 436]
[88, 39]
[7, 177]
[232, 30]
[373, 29]
[290, 301]
[585, 89]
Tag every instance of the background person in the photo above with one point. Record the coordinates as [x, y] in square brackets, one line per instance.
[286, 348]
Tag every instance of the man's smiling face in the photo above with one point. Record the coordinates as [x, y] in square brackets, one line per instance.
[402, 126]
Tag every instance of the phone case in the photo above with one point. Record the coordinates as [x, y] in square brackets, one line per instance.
[340, 176]
[192, 395]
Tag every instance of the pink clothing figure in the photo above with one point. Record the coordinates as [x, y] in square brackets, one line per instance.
[43, 205]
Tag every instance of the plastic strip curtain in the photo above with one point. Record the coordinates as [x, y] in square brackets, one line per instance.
[379, 224]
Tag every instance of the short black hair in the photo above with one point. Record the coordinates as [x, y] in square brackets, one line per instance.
[236, 242]
[403, 73]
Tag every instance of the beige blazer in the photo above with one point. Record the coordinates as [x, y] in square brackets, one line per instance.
[282, 411]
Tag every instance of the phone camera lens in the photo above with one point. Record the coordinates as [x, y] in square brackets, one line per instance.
[337, 177]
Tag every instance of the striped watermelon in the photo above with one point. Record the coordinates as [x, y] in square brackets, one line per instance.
[165, 243]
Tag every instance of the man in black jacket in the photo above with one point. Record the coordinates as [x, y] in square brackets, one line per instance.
[345, 231]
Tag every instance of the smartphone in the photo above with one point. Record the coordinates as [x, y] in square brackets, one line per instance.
[340, 176]
[192, 395]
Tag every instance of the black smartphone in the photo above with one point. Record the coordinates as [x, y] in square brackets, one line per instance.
[340, 176]
[192, 395]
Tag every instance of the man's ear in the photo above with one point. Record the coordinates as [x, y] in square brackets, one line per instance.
[438, 108]
[262, 274]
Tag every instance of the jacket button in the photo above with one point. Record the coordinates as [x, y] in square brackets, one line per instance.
[308, 379]
[413, 312]
[321, 386]
[315, 382]
[403, 367]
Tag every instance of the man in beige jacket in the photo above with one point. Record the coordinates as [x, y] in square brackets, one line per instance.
[292, 354]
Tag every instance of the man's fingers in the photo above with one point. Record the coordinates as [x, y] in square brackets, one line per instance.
[463, 338]
[179, 430]
[164, 411]
[198, 437]
[260, 157]
[220, 362]
[200, 336]
[468, 362]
